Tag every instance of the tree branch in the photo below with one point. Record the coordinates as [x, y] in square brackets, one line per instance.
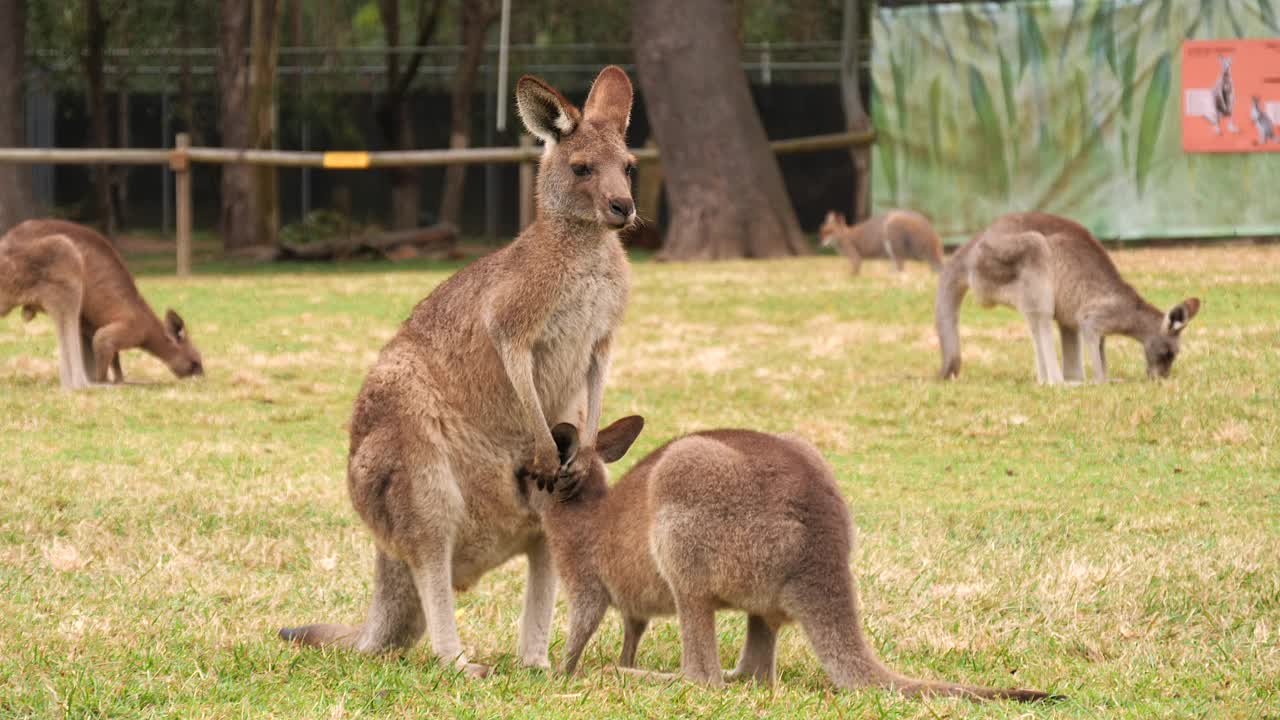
[426, 28]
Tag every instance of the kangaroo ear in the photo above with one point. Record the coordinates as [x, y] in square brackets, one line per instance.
[566, 437]
[173, 325]
[544, 110]
[610, 99]
[614, 441]
[1177, 318]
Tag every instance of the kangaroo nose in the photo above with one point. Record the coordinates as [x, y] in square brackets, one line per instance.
[622, 207]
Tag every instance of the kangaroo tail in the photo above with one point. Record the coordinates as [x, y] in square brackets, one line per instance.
[321, 635]
[832, 622]
[953, 283]
[919, 688]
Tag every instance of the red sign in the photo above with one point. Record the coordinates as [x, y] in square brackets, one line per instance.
[1231, 95]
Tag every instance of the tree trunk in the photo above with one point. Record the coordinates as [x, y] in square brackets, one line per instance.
[120, 173]
[186, 100]
[15, 180]
[262, 114]
[396, 124]
[100, 127]
[723, 184]
[855, 114]
[477, 16]
[236, 221]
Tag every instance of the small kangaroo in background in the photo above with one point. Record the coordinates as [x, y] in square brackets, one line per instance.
[75, 275]
[1262, 121]
[1224, 98]
[718, 519]
[469, 387]
[898, 235]
[1052, 269]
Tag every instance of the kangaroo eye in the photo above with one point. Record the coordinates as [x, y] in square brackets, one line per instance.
[581, 170]
[631, 170]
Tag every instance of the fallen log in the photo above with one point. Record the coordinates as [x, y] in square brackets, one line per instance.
[396, 244]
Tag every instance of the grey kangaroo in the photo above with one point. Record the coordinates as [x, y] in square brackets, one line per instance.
[468, 388]
[76, 276]
[1052, 269]
[897, 234]
[717, 519]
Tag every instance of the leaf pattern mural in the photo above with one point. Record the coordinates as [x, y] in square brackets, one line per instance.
[1153, 112]
[1068, 106]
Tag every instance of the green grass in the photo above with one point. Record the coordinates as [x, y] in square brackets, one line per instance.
[1119, 544]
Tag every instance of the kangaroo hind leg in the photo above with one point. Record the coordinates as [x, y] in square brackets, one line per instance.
[699, 659]
[1072, 354]
[759, 652]
[395, 617]
[63, 306]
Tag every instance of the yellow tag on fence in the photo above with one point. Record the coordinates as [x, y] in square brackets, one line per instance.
[346, 160]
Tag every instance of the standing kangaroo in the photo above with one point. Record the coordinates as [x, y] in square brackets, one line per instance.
[718, 519]
[1052, 269]
[74, 274]
[898, 235]
[1224, 99]
[468, 388]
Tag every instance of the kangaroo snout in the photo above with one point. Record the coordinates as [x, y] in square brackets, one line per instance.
[621, 210]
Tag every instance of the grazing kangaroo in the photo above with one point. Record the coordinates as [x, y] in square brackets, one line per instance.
[95, 290]
[1052, 269]
[898, 235]
[718, 519]
[468, 388]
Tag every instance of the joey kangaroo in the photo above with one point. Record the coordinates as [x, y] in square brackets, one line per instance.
[718, 519]
[468, 388]
[898, 235]
[95, 291]
[1052, 269]
[1262, 121]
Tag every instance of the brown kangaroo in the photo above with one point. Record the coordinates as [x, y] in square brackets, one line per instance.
[898, 235]
[717, 519]
[94, 288]
[468, 388]
[1052, 269]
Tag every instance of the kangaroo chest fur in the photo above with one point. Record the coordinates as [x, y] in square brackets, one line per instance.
[588, 306]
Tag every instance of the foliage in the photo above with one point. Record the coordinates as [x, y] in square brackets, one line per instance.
[1115, 543]
[1076, 112]
[317, 226]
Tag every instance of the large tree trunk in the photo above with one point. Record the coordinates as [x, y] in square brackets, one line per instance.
[477, 16]
[15, 180]
[723, 184]
[855, 114]
[120, 173]
[262, 113]
[395, 118]
[236, 221]
[100, 127]
[187, 98]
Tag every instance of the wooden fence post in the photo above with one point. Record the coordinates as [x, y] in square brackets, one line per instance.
[181, 166]
[526, 185]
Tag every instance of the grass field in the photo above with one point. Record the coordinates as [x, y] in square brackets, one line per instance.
[1119, 544]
